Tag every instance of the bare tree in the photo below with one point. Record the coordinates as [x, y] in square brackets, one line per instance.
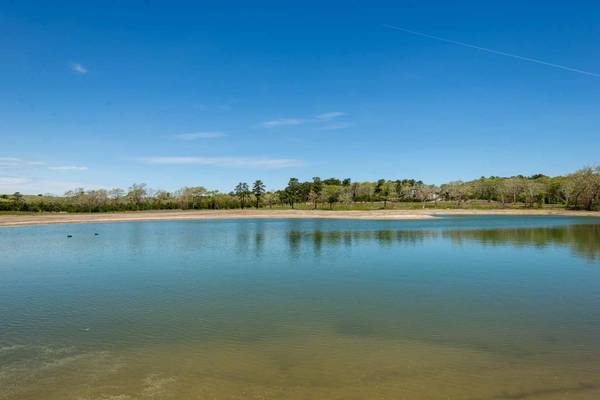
[582, 188]
[508, 191]
[424, 193]
[115, 195]
[137, 194]
[345, 196]
[189, 197]
[457, 190]
[533, 192]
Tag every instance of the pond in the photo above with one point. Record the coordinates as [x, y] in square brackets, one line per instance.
[463, 307]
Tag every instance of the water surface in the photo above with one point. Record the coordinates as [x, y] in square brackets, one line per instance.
[451, 308]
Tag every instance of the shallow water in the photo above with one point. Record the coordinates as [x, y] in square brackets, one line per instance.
[452, 308]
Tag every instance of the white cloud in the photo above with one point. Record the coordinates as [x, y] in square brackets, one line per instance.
[34, 186]
[282, 122]
[329, 116]
[224, 161]
[11, 180]
[69, 168]
[78, 68]
[17, 163]
[200, 135]
[29, 185]
[318, 119]
[336, 126]
[14, 163]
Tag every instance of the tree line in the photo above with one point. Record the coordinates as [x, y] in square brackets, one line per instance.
[578, 190]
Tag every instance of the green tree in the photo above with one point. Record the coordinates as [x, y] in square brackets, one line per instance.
[382, 191]
[269, 198]
[258, 189]
[315, 192]
[484, 189]
[242, 191]
[332, 194]
[18, 201]
[292, 191]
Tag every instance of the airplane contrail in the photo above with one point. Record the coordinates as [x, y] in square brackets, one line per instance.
[502, 53]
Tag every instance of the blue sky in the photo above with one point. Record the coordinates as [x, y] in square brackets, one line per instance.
[105, 94]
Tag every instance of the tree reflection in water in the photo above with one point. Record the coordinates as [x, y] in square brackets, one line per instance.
[583, 240]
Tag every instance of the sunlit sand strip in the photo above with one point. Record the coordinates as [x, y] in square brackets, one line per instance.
[64, 218]
[19, 220]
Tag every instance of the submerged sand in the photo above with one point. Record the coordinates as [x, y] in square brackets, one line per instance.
[175, 215]
[330, 367]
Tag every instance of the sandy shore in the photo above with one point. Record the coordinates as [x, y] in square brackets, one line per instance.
[64, 218]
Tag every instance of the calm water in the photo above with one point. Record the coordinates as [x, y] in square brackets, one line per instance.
[452, 308]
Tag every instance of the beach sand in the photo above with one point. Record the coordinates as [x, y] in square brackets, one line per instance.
[176, 215]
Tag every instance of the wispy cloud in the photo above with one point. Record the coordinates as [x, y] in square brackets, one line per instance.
[329, 116]
[223, 161]
[336, 126]
[17, 163]
[319, 120]
[78, 68]
[200, 135]
[69, 168]
[18, 175]
[11, 184]
[12, 180]
[283, 122]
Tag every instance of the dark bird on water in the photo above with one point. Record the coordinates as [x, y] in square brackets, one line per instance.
[96, 234]
[69, 235]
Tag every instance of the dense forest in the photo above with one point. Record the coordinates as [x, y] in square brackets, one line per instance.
[578, 190]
